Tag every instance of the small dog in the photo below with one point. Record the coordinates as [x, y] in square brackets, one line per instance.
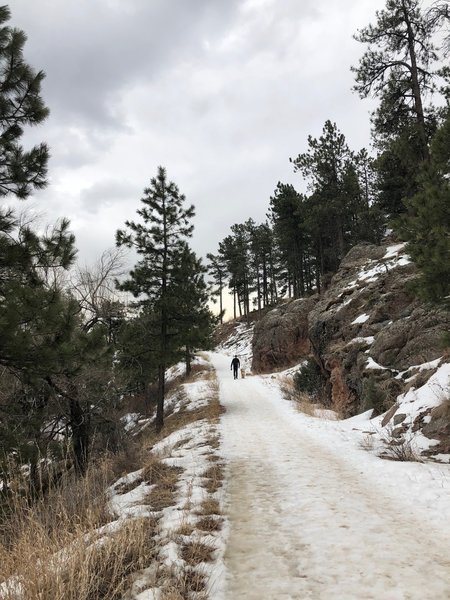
[242, 373]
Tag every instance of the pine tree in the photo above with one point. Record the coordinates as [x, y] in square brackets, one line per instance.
[191, 322]
[325, 165]
[159, 241]
[20, 105]
[286, 211]
[217, 270]
[426, 225]
[396, 67]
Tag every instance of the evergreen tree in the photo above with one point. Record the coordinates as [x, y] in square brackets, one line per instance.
[20, 104]
[261, 262]
[397, 67]
[426, 225]
[191, 320]
[325, 165]
[158, 241]
[217, 270]
[286, 211]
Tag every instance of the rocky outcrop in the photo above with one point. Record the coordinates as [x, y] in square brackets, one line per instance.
[281, 337]
[366, 331]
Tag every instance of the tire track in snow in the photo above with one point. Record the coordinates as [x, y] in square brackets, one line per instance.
[306, 525]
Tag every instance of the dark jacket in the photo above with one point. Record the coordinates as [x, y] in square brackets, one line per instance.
[235, 363]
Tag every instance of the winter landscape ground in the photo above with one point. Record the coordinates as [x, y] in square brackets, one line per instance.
[246, 496]
[312, 515]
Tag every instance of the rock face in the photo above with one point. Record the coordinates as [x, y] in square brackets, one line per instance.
[281, 337]
[366, 331]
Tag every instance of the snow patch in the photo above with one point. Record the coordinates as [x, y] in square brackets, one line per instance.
[361, 319]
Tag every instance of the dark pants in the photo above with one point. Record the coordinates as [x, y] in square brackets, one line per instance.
[235, 372]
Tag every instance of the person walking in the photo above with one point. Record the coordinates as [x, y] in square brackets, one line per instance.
[235, 364]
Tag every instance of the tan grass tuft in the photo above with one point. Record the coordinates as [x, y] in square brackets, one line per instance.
[196, 552]
[184, 585]
[185, 529]
[214, 476]
[209, 506]
[209, 524]
[85, 570]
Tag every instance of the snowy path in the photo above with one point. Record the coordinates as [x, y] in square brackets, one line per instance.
[305, 523]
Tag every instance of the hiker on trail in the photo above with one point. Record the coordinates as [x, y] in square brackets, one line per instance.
[235, 364]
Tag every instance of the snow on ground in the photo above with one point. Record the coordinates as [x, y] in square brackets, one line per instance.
[192, 452]
[313, 515]
[188, 449]
[414, 404]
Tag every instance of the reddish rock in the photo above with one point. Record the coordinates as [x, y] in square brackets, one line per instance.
[281, 337]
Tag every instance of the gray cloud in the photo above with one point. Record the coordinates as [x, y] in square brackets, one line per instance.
[221, 92]
[107, 192]
[93, 49]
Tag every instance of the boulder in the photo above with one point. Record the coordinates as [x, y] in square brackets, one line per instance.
[280, 338]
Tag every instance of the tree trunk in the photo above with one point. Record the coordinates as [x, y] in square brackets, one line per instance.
[264, 283]
[221, 299]
[187, 358]
[258, 291]
[159, 421]
[79, 424]
[418, 105]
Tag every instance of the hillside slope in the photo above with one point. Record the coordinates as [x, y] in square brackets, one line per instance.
[378, 348]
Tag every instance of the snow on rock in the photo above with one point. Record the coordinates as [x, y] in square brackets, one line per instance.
[372, 364]
[361, 319]
[390, 261]
[362, 340]
[431, 394]
[432, 364]
[239, 343]
[394, 250]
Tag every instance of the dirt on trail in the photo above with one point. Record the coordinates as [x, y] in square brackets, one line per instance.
[306, 523]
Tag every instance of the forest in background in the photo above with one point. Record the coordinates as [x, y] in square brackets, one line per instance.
[353, 194]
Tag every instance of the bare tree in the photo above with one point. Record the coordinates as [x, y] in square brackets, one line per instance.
[95, 289]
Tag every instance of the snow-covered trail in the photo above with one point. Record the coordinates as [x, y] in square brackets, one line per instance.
[304, 522]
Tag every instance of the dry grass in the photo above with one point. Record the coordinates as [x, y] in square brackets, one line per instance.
[214, 477]
[76, 503]
[183, 584]
[213, 457]
[209, 506]
[181, 419]
[165, 480]
[399, 447]
[367, 443]
[301, 400]
[209, 524]
[85, 570]
[214, 442]
[195, 552]
[52, 546]
[185, 529]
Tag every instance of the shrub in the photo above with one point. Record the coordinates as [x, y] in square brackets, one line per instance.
[309, 380]
[372, 397]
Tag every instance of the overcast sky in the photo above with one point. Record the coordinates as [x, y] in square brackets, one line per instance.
[220, 92]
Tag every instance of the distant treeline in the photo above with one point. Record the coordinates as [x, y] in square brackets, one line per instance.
[352, 195]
